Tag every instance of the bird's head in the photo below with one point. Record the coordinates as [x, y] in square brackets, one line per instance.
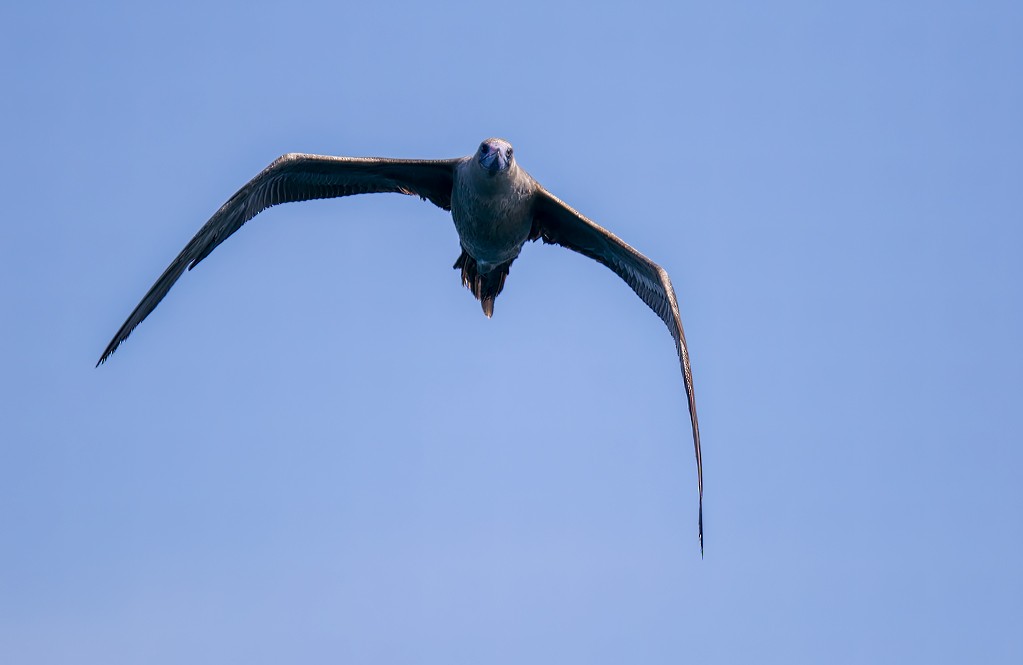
[495, 156]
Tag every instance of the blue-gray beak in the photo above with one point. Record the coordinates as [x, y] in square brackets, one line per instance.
[493, 160]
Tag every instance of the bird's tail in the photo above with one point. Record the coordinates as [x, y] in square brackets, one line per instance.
[485, 286]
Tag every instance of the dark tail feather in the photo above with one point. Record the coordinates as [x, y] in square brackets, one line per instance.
[485, 287]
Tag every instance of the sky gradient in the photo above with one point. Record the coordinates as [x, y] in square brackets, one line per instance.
[318, 450]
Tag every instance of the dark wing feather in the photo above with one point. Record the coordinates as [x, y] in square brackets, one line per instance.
[297, 177]
[554, 222]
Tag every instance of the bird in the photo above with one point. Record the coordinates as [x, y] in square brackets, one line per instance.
[496, 207]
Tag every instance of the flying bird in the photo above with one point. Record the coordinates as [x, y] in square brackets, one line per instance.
[496, 207]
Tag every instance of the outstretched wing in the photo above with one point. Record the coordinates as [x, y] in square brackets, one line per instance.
[296, 177]
[555, 222]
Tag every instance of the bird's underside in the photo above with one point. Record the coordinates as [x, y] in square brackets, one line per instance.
[496, 205]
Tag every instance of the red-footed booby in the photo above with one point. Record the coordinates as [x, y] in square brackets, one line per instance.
[496, 207]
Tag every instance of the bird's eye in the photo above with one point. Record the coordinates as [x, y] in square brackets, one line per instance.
[507, 153]
[483, 148]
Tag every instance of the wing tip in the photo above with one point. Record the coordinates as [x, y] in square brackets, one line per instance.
[701, 527]
[109, 351]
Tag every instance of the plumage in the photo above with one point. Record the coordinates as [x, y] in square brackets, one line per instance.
[496, 207]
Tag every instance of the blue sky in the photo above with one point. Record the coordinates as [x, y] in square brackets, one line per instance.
[318, 450]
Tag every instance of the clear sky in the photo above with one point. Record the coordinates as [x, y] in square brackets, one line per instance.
[318, 450]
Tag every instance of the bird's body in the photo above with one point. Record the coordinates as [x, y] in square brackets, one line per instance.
[492, 211]
[496, 207]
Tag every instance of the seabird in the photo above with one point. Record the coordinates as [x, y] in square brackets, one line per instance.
[496, 207]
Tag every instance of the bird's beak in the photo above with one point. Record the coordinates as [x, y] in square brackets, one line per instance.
[493, 161]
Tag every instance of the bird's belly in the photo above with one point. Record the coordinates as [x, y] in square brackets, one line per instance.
[492, 235]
